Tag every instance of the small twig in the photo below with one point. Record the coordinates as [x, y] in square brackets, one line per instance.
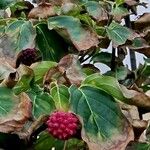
[89, 55]
[132, 53]
[81, 59]
[65, 145]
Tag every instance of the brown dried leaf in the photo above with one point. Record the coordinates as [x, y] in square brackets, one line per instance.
[5, 69]
[69, 66]
[7, 49]
[16, 119]
[146, 35]
[44, 10]
[131, 2]
[136, 98]
[10, 81]
[142, 22]
[143, 47]
[89, 41]
[139, 126]
[130, 111]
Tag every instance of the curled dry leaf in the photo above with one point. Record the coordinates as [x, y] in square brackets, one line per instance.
[5, 69]
[142, 22]
[70, 66]
[139, 126]
[140, 46]
[17, 116]
[44, 10]
[50, 76]
[146, 34]
[136, 98]
[131, 2]
[11, 81]
[130, 111]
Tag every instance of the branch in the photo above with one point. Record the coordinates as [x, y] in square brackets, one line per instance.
[132, 53]
[113, 63]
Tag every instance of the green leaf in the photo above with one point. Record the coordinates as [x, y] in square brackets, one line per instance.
[40, 68]
[70, 9]
[50, 44]
[89, 69]
[146, 68]
[138, 146]
[60, 95]
[26, 76]
[86, 19]
[75, 144]
[121, 73]
[22, 34]
[47, 142]
[96, 10]
[43, 103]
[117, 33]
[137, 42]
[73, 31]
[102, 57]
[119, 12]
[119, 2]
[11, 141]
[7, 101]
[101, 117]
[2, 30]
[5, 3]
[20, 7]
[105, 83]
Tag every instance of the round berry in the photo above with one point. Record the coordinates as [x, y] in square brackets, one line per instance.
[62, 125]
[26, 57]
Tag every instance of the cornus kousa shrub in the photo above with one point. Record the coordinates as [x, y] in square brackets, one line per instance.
[54, 94]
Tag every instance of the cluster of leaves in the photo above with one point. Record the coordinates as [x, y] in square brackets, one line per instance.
[66, 34]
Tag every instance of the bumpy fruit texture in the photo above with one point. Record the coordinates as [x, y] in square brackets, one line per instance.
[62, 125]
[26, 57]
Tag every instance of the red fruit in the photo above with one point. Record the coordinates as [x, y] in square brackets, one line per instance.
[26, 57]
[62, 125]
